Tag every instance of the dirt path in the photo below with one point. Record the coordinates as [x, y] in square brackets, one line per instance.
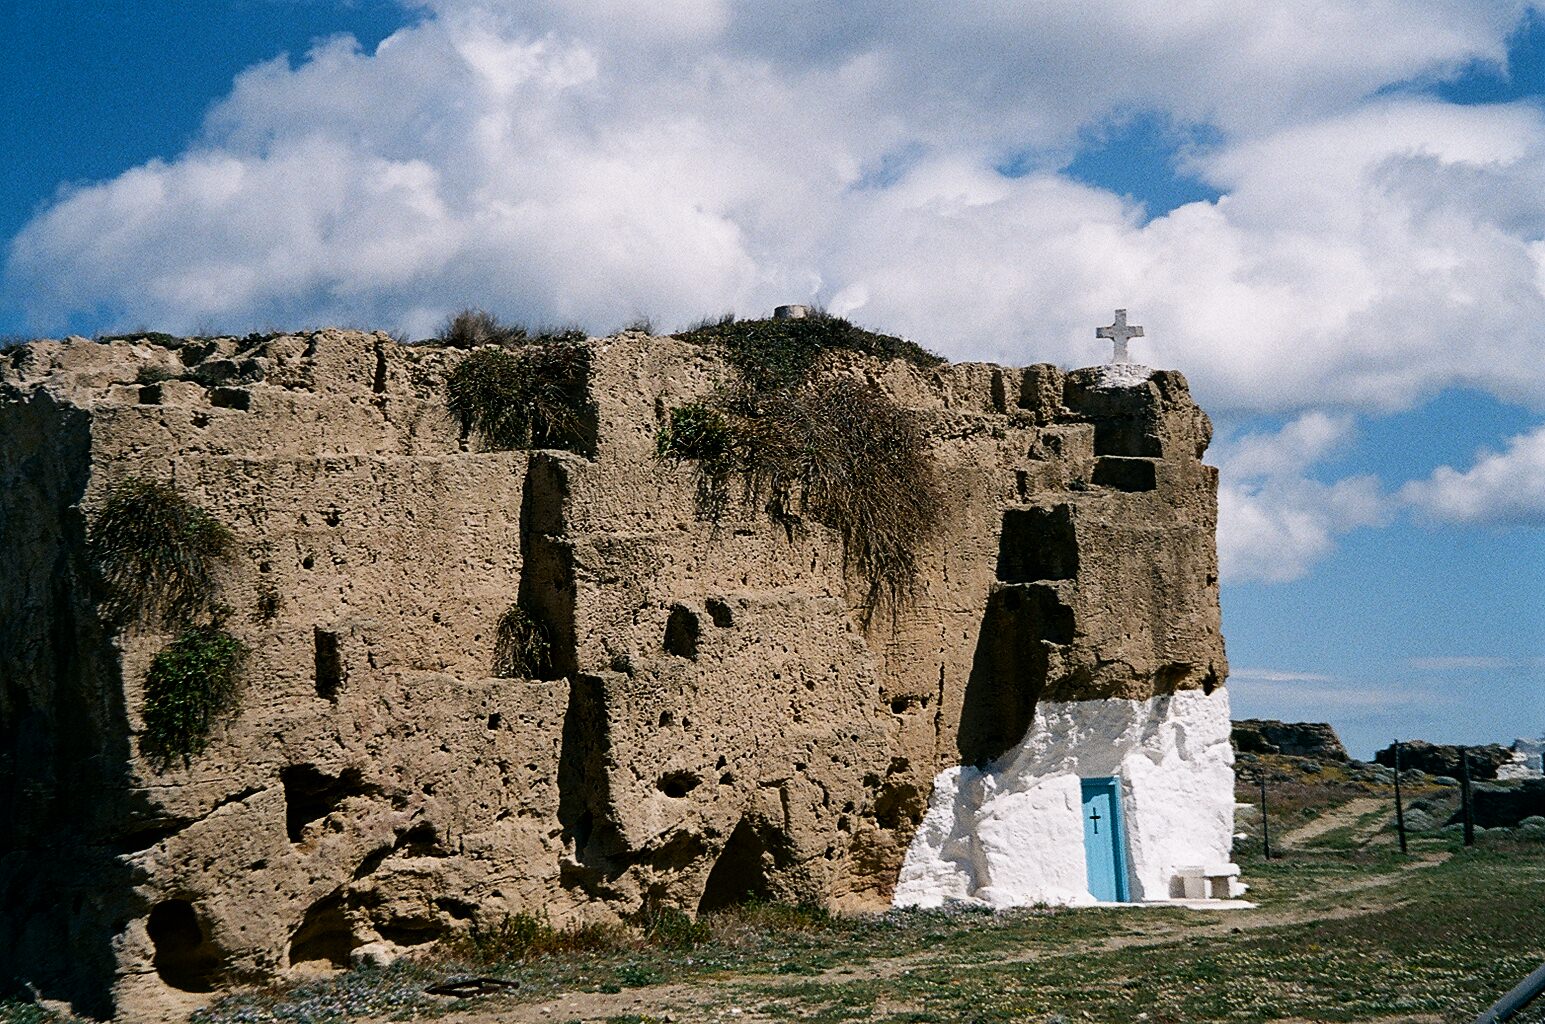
[684, 1002]
[1348, 815]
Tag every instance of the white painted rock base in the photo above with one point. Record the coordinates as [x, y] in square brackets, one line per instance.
[1013, 834]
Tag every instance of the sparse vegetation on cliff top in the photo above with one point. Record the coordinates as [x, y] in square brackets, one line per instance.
[532, 398]
[474, 328]
[810, 443]
[781, 353]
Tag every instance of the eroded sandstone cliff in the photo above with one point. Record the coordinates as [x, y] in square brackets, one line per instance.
[720, 719]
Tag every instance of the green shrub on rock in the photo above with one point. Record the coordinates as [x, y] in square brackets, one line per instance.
[776, 353]
[190, 683]
[828, 446]
[696, 432]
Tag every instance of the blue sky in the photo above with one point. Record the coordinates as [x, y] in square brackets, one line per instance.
[1343, 248]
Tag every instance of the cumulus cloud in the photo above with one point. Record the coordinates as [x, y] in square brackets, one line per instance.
[1501, 488]
[1275, 521]
[589, 161]
[586, 161]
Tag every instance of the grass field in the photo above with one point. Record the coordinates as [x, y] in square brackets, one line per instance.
[1347, 929]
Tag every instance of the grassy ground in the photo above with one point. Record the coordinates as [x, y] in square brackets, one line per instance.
[1347, 930]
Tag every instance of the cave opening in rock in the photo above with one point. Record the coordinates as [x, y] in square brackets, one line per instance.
[677, 784]
[740, 874]
[328, 664]
[722, 614]
[311, 794]
[184, 957]
[1125, 474]
[681, 633]
[324, 934]
[1038, 544]
[1009, 668]
[1132, 436]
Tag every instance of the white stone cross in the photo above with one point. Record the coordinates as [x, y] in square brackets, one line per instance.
[1119, 333]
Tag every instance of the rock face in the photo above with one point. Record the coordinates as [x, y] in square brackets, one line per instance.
[719, 722]
[1443, 758]
[1295, 739]
[1526, 762]
[1505, 808]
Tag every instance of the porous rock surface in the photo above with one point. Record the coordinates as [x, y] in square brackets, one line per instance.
[1294, 739]
[720, 719]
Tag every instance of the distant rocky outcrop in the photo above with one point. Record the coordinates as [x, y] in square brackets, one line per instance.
[1527, 762]
[1295, 739]
[1443, 758]
[1497, 807]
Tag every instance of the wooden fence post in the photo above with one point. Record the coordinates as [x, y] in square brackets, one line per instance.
[1265, 826]
[1400, 813]
[1464, 795]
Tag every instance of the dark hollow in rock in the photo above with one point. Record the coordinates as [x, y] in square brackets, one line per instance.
[1008, 671]
[898, 803]
[1038, 544]
[677, 784]
[324, 934]
[328, 664]
[1129, 437]
[184, 957]
[1125, 474]
[681, 633]
[231, 398]
[739, 876]
[721, 613]
[311, 794]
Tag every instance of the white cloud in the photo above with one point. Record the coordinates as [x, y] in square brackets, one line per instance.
[1319, 700]
[1274, 675]
[1298, 445]
[1501, 488]
[1473, 663]
[1274, 521]
[588, 161]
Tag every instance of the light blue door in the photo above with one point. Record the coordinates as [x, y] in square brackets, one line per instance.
[1104, 843]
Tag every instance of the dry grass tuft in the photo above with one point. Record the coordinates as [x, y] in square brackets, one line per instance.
[835, 449]
[532, 398]
[522, 646]
[157, 552]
